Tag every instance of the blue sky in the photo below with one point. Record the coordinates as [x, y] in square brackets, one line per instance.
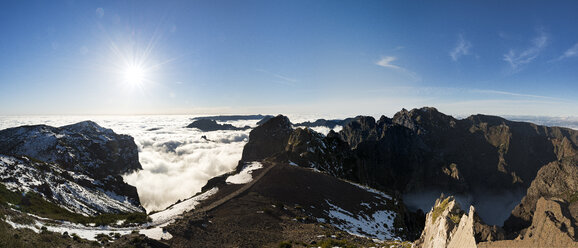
[326, 57]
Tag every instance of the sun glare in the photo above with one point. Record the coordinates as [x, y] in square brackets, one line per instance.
[134, 75]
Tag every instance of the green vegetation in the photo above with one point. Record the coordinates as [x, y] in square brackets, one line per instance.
[31, 202]
[285, 244]
[103, 238]
[438, 210]
[328, 243]
[455, 218]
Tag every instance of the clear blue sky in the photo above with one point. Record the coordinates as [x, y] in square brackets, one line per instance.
[327, 57]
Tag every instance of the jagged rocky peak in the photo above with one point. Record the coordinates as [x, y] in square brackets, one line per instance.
[360, 129]
[302, 138]
[446, 225]
[423, 119]
[308, 148]
[267, 139]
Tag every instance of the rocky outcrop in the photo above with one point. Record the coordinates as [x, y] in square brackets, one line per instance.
[84, 153]
[557, 179]
[552, 223]
[552, 226]
[308, 148]
[464, 235]
[447, 225]
[361, 128]
[267, 139]
[207, 125]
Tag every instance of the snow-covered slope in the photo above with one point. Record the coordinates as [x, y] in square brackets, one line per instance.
[85, 147]
[74, 191]
[78, 166]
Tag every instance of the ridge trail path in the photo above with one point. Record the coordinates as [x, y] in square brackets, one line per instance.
[236, 193]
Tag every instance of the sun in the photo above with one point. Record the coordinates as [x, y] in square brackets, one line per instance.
[134, 75]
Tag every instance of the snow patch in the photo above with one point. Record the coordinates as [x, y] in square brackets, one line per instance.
[368, 189]
[377, 225]
[245, 175]
[173, 211]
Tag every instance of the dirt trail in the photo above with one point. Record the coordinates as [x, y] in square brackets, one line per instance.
[219, 202]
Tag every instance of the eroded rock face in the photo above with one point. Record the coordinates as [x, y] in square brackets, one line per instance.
[557, 179]
[552, 226]
[446, 225]
[552, 223]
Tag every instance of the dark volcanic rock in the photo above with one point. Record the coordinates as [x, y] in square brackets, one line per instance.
[233, 117]
[207, 125]
[325, 123]
[308, 148]
[267, 139]
[361, 128]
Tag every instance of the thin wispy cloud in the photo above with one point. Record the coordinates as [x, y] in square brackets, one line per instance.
[284, 79]
[519, 59]
[506, 93]
[462, 48]
[571, 52]
[387, 63]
